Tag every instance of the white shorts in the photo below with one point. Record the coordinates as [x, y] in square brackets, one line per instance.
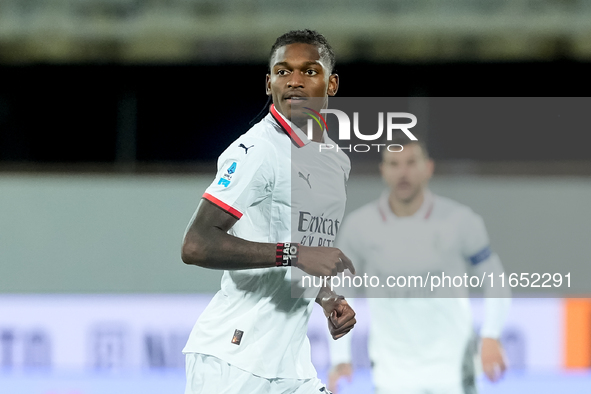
[210, 375]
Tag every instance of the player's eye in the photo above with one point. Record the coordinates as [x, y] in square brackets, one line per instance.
[311, 72]
[282, 72]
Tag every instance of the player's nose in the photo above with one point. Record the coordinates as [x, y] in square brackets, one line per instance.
[296, 80]
[404, 170]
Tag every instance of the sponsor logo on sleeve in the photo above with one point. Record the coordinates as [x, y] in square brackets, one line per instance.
[245, 148]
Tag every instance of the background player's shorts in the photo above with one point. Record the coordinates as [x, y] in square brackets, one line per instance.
[208, 374]
[437, 390]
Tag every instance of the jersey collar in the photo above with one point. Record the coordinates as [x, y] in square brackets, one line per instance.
[424, 211]
[298, 137]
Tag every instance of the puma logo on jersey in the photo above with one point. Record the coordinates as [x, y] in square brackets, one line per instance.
[307, 179]
[245, 148]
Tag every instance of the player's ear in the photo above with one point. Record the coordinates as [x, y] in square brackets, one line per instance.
[268, 85]
[430, 168]
[333, 84]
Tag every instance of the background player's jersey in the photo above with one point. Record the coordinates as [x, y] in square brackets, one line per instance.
[416, 342]
[283, 189]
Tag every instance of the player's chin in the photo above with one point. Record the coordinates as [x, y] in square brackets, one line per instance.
[406, 194]
[404, 197]
[285, 109]
[297, 113]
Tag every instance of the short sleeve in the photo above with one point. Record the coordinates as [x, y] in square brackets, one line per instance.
[476, 244]
[245, 176]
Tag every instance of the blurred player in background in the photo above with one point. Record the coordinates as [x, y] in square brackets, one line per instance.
[252, 336]
[422, 345]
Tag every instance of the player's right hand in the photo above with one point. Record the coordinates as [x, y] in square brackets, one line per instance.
[337, 373]
[323, 261]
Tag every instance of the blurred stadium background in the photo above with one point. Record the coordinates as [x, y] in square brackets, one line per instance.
[112, 113]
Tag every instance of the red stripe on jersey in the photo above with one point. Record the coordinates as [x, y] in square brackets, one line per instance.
[382, 214]
[429, 211]
[286, 127]
[232, 211]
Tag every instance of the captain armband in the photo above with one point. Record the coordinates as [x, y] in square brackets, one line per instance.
[287, 254]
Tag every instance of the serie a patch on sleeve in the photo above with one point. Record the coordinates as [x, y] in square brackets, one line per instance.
[481, 256]
[227, 177]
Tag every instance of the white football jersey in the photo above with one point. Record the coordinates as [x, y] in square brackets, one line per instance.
[414, 341]
[282, 189]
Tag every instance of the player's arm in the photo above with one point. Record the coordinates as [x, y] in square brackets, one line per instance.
[496, 308]
[207, 244]
[497, 302]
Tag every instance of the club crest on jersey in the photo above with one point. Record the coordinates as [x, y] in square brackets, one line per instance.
[237, 338]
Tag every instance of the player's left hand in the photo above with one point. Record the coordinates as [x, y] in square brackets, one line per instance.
[493, 359]
[336, 373]
[340, 315]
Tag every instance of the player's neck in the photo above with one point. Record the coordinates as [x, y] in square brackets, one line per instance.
[406, 208]
[317, 132]
[318, 136]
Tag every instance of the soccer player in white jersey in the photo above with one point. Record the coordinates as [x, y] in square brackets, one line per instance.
[421, 345]
[272, 183]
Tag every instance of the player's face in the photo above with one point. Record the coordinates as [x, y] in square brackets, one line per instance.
[299, 78]
[406, 173]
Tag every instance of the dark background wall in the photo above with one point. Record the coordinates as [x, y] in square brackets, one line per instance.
[188, 113]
